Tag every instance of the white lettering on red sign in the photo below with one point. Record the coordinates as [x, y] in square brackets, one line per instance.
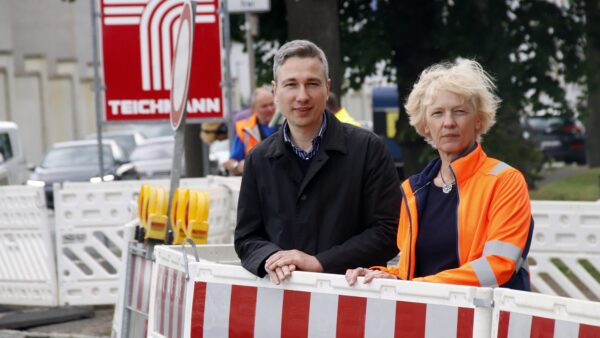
[162, 106]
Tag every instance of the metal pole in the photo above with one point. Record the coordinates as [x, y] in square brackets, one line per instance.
[228, 89]
[97, 87]
[250, 50]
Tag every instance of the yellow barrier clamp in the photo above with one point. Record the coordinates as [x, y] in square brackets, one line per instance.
[198, 217]
[143, 204]
[179, 214]
[157, 214]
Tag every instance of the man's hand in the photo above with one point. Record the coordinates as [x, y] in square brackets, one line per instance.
[282, 263]
[353, 274]
[234, 167]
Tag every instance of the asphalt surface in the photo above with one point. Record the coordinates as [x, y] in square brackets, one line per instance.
[98, 326]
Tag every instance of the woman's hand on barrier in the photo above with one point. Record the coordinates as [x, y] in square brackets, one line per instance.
[353, 274]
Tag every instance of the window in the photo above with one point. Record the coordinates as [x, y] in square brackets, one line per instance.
[5, 146]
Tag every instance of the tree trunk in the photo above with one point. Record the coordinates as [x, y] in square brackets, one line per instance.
[193, 151]
[324, 15]
[593, 82]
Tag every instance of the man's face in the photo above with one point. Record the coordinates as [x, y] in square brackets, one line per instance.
[301, 92]
[263, 106]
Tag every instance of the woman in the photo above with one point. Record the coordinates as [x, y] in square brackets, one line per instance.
[466, 218]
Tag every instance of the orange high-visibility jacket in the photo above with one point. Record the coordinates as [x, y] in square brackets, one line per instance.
[247, 130]
[494, 223]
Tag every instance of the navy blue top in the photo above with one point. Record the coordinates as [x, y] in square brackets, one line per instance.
[437, 239]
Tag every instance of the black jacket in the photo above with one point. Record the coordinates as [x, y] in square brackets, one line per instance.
[344, 210]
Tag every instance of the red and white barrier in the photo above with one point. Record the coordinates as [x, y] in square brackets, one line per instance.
[520, 314]
[227, 301]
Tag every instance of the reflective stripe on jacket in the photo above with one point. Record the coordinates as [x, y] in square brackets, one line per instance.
[248, 132]
[494, 223]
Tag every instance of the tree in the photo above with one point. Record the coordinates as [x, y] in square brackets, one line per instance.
[525, 51]
[592, 10]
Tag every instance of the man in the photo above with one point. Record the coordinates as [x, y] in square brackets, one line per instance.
[334, 106]
[319, 195]
[249, 132]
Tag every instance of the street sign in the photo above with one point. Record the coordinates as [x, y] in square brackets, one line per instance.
[182, 64]
[138, 40]
[248, 6]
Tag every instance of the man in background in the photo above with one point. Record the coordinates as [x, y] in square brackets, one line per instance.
[251, 131]
[334, 106]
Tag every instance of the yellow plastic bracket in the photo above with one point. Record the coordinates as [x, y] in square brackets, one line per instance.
[179, 214]
[197, 229]
[157, 214]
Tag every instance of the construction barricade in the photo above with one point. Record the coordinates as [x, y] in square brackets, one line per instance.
[90, 239]
[27, 265]
[564, 258]
[192, 298]
[519, 314]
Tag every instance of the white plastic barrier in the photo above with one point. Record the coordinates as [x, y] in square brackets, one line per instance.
[222, 300]
[27, 269]
[520, 314]
[131, 313]
[565, 251]
[90, 240]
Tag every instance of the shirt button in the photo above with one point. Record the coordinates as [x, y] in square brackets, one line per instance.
[303, 198]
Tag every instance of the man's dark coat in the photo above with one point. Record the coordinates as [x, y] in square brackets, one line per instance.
[344, 210]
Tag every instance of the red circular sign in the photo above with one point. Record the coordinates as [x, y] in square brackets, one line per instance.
[182, 63]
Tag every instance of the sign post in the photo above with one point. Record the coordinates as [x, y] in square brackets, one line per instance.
[180, 82]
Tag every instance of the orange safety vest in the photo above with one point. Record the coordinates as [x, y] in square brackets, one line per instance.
[247, 130]
[494, 224]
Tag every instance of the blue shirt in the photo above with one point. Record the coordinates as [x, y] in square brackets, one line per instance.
[238, 147]
[316, 142]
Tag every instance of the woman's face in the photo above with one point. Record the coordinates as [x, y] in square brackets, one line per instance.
[451, 123]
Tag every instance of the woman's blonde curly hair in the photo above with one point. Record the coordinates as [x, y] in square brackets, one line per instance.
[465, 78]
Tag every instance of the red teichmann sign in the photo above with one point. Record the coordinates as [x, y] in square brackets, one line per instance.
[138, 38]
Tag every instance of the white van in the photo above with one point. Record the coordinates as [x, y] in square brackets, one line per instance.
[13, 168]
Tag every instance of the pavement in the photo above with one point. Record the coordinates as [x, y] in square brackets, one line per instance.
[98, 326]
[560, 170]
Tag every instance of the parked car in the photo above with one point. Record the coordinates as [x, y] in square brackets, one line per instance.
[13, 169]
[77, 161]
[154, 157]
[562, 139]
[127, 139]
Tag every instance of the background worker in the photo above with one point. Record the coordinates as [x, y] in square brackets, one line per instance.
[318, 195]
[334, 106]
[466, 218]
[251, 131]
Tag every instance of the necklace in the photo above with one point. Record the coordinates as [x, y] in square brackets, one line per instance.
[447, 188]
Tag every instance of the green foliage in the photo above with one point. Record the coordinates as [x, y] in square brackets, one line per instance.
[584, 186]
[530, 47]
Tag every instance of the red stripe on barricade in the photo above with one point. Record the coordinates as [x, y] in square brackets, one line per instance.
[198, 303]
[351, 316]
[131, 278]
[163, 297]
[410, 320]
[464, 327]
[588, 331]
[503, 324]
[242, 311]
[294, 315]
[180, 305]
[158, 299]
[542, 327]
[171, 313]
[140, 276]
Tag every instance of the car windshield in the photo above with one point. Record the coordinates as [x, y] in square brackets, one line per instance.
[153, 151]
[76, 156]
[127, 142]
